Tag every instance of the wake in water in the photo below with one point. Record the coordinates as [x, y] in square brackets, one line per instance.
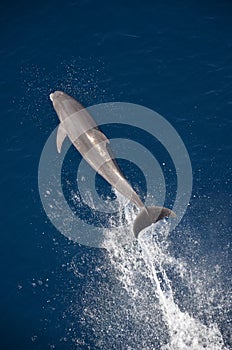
[141, 297]
[142, 268]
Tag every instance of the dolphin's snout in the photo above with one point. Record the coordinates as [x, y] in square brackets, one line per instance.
[55, 94]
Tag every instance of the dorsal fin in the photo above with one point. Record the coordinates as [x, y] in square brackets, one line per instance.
[97, 136]
[61, 134]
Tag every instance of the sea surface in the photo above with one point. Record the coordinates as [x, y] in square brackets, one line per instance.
[171, 290]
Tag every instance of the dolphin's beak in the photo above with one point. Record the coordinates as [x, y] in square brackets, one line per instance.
[52, 96]
[55, 94]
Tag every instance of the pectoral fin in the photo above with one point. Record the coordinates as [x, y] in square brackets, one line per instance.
[61, 134]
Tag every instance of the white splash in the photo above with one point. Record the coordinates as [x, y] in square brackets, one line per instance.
[142, 268]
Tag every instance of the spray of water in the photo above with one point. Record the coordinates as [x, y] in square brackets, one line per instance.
[143, 268]
[139, 295]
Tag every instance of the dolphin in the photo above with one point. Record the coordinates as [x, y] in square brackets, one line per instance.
[93, 145]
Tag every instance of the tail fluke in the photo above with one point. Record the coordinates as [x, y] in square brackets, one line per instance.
[150, 215]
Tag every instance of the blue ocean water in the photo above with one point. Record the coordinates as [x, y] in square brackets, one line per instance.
[172, 57]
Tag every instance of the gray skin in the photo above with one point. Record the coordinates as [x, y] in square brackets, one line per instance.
[79, 126]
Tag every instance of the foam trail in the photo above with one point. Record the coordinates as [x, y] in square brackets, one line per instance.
[185, 332]
[135, 263]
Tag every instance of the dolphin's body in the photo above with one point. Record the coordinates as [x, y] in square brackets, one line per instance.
[79, 126]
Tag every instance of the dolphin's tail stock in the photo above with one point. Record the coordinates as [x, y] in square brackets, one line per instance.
[150, 215]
